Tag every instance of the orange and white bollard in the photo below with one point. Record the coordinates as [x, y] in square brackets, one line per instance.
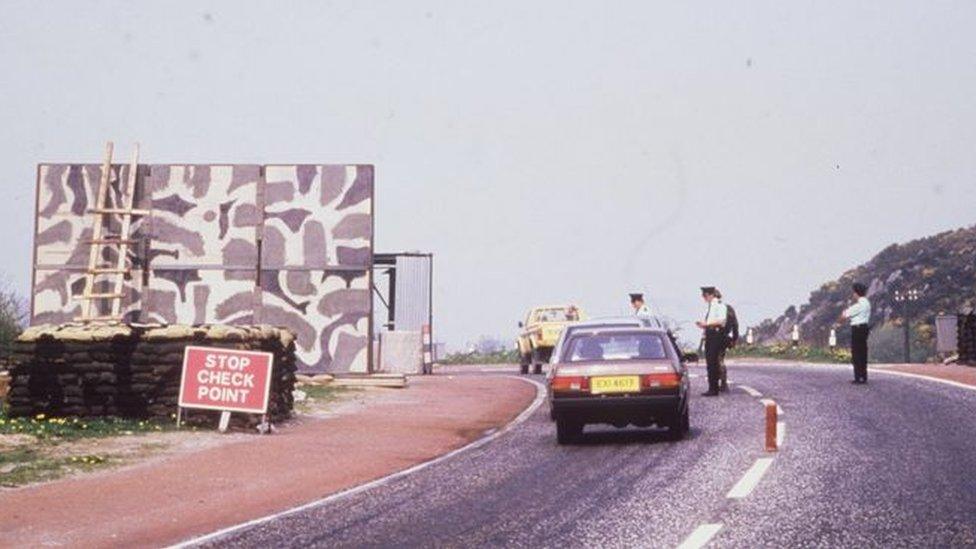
[771, 425]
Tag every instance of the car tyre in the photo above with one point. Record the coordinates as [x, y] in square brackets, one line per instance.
[568, 431]
[524, 361]
[679, 426]
[537, 359]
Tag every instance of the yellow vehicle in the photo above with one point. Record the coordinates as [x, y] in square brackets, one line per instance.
[540, 330]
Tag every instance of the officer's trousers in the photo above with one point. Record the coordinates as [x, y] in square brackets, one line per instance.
[859, 351]
[714, 345]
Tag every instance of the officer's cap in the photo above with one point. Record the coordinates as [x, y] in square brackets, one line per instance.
[708, 290]
[636, 297]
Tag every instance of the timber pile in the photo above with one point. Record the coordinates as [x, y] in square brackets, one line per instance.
[132, 371]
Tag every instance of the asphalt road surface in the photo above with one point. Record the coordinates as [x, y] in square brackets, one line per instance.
[889, 464]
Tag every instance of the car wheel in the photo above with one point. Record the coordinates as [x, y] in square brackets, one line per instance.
[524, 363]
[679, 426]
[568, 431]
[537, 360]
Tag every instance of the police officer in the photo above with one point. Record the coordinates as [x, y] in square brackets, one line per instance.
[859, 315]
[641, 310]
[732, 335]
[715, 337]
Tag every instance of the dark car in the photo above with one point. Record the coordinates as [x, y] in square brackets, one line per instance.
[619, 376]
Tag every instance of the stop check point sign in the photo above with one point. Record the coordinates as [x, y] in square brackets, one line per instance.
[225, 379]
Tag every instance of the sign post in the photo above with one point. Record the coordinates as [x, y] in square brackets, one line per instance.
[225, 379]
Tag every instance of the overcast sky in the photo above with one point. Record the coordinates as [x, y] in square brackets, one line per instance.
[544, 151]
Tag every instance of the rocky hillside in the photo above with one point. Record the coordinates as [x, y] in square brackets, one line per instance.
[941, 267]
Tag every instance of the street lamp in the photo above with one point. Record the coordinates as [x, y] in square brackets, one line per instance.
[904, 297]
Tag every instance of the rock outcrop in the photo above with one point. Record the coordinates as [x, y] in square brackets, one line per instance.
[942, 268]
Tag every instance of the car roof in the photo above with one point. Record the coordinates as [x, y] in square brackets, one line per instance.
[607, 320]
[581, 330]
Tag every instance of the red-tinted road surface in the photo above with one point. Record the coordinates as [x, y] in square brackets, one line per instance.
[192, 494]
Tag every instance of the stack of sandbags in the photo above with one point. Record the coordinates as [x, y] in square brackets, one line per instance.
[131, 371]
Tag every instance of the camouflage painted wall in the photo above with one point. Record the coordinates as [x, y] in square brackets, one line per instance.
[282, 244]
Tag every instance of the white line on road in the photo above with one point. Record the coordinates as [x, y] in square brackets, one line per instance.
[701, 536]
[780, 433]
[748, 482]
[750, 390]
[927, 378]
[540, 397]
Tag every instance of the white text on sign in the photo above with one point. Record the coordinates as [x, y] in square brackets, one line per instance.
[223, 378]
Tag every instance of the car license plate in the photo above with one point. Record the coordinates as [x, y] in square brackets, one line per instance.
[614, 384]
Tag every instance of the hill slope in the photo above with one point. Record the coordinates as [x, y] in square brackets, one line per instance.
[941, 267]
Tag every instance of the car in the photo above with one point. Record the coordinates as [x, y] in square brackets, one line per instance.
[603, 322]
[611, 322]
[539, 333]
[619, 376]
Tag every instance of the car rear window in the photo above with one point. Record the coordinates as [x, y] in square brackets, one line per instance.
[620, 346]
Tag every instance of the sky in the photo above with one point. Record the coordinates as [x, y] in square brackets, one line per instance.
[544, 152]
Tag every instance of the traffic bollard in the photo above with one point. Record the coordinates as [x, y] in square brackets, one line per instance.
[771, 426]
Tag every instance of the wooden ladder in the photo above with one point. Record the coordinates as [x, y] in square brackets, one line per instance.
[115, 273]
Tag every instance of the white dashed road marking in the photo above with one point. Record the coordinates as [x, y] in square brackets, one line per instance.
[748, 482]
[701, 536]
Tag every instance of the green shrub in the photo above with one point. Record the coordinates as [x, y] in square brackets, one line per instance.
[476, 357]
[13, 317]
[786, 351]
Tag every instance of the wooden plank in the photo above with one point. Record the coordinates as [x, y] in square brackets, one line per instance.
[97, 227]
[111, 241]
[104, 295]
[128, 192]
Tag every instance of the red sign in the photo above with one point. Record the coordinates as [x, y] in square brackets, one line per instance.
[225, 379]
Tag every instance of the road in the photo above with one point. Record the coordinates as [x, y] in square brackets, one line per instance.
[884, 465]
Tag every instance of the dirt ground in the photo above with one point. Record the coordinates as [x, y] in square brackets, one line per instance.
[27, 460]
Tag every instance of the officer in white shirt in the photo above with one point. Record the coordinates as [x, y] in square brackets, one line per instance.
[641, 310]
[715, 337]
[859, 315]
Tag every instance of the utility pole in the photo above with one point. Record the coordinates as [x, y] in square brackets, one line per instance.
[904, 298]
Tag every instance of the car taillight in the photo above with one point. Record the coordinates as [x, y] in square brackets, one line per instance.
[569, 384]
[660, 381]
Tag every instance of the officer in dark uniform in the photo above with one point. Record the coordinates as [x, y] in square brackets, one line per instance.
[715, 337]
